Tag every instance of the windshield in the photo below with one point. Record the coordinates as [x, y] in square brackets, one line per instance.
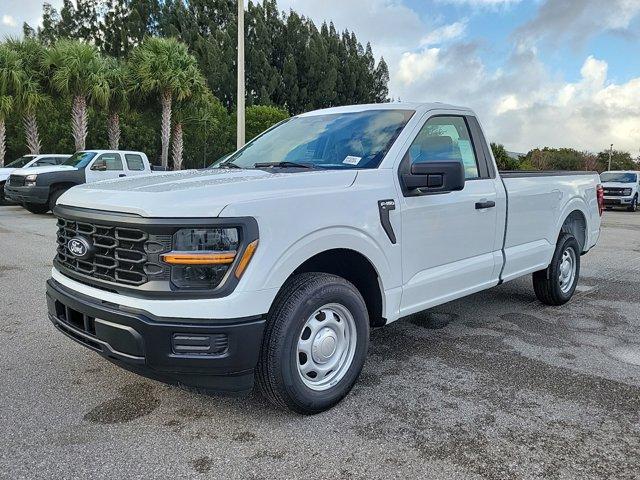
[21, 162]
[333, 141]
[619, 177]
[79, 159]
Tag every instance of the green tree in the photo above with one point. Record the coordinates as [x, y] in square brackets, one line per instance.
[119, 81]
[78, 70]
[164, 67]
[261, 117]
[619, 161]
[10, 82]
[31, 96]
[503, 159]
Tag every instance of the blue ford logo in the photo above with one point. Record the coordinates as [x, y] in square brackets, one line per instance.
[79, 247]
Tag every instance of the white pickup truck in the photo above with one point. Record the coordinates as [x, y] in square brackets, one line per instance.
[38, 188]
[277, 264]
[621, 189]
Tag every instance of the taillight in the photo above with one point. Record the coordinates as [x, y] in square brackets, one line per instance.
[600, 195]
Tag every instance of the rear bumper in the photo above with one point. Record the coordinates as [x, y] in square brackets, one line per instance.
[37, 195]
[210, 355]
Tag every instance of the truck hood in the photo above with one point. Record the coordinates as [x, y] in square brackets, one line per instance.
[37, 170]
[617, 185]
[5, 172]
[198, 193]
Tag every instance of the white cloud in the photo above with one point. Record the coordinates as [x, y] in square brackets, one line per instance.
[9, 21]
[417, 66]
[445, 33]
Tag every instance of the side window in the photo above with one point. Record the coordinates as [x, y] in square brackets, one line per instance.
[134, 162]
[45, 161]
[107, 162]
[444, 139]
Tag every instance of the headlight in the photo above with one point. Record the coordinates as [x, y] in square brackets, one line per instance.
[30, 180]
[202, 257]
[627, 192]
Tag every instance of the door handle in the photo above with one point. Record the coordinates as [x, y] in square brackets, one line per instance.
[485, 205]
[122, 175]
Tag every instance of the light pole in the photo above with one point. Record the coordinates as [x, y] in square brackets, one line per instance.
[241, 85]
[610, 155]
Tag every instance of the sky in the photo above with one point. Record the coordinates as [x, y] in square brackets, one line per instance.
[559, 73]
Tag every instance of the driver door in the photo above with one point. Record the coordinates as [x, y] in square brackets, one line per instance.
[447, 238]
[107, 166]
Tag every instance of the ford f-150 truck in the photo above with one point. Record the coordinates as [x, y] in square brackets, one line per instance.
[275, 265]
[38, 189]
[621, 189]
[28, 161]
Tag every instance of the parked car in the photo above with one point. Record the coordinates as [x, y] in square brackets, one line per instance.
[621, 189]
[38, 188]
[28, 161]
[333, 223]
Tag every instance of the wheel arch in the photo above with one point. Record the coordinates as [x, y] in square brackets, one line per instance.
[575, 223]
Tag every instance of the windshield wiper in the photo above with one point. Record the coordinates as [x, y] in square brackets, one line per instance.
[229, 165]
[281, 165]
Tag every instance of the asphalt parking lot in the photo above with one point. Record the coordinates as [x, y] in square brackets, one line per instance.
[492, 386]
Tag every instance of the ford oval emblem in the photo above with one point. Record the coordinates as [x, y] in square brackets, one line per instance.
[79, 247]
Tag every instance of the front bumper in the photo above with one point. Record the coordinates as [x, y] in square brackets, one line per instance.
[211, 355]
[37, 195]
[613, 201]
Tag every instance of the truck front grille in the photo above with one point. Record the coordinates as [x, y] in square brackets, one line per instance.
[126, 256]
[16, 181]
[614, 192]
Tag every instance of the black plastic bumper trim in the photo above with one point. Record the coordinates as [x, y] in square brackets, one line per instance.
[141, 343]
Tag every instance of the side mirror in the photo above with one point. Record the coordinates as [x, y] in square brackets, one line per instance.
[435, 177]
[99, 167]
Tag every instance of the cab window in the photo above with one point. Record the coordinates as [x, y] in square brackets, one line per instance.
[134, 162]
[48, 161]
[442, 139]
[107, 162]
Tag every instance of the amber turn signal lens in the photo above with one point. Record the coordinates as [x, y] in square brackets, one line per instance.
[194, 258]
[246, 258]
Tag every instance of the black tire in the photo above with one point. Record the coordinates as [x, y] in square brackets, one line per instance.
[547, 284]
[55, 195]
[277, 373]
[37, 208]
[634, 205]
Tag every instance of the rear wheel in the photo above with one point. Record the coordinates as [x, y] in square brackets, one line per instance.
[634, 204]
[37, 208]
[557, 283]
[315, 343]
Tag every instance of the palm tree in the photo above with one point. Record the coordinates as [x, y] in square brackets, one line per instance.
[197, 111]
[119, 81]
[78, 70]
[30, 94]
[10, 81]
[164, 66]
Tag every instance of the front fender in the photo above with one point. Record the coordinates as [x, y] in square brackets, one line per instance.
[345, 238]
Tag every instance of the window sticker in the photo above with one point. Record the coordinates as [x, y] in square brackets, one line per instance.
[350, 160]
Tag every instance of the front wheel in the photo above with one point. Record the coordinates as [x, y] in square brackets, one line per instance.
[37, 208]
[557, 283]
[315, 343]
[634, 204]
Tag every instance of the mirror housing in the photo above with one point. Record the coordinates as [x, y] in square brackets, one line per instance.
[435, 177]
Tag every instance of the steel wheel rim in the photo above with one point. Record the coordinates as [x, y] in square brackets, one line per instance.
[326, 347]
[568, 266]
